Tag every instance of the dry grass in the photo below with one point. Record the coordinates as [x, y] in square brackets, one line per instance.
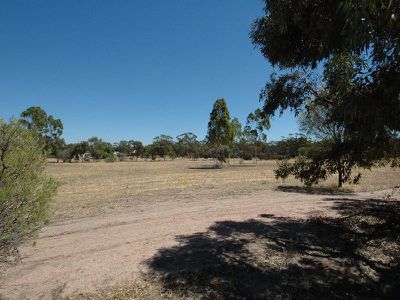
[95, 188]
[130, 290]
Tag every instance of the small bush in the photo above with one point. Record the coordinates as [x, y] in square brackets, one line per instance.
[111, 158]
[25, 192]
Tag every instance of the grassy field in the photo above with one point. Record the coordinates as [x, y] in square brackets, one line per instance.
[181, 229]
[97, 188]
[268, 257]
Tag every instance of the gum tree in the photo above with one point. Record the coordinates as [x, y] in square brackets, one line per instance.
[304, 37]
[220, 132]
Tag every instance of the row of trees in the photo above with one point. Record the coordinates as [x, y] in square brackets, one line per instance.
[185, 145]
[225, 138]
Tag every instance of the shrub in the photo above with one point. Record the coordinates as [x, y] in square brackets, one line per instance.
[111, 158]
[64, 155]
[25, 192]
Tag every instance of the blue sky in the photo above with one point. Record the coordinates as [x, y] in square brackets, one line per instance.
[132, 69]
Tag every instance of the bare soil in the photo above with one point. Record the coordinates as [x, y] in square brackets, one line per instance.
[157, 221]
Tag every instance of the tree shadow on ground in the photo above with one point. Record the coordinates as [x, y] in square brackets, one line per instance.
[313, 190]
[354, 255]
[219, 166]
[206, 167]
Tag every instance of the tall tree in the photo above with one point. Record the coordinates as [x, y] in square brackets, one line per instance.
[359, 42]
[78, 149]
[138, 148]
[237, 136]
[46, 126]
[220, 132]
[219, 127]
[256, 125]
[163, 145]
[187, 145]
[237, 129]
[123, 147]
[99, 149]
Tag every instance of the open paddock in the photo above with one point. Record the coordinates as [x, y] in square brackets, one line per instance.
[97, 188]
[181, 229]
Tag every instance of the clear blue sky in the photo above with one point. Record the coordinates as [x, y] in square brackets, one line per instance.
[132, 69]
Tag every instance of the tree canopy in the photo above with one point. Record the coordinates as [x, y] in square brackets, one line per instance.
[220, 131]
[357, 47]
[46, 126]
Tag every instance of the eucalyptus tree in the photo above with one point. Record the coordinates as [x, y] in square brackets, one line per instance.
[255, 130]
[187, 145]
[356, 44]
[220, 132]
[48, 128]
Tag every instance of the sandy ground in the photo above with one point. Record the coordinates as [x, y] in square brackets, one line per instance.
[112, 218]
[82, 255]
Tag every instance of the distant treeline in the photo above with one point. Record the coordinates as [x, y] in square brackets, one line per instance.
[226, 138]
[185, 145]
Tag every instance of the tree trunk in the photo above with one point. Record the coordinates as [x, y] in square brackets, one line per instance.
[340, 177]
[255, 151]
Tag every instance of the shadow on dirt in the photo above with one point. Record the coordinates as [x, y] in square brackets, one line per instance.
[355, 255]
[313, 190]
[205, 167]
[218, 166]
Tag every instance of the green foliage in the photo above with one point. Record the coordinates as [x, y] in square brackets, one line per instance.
[220, 131]
[284, 170]
[254, 131]
[357, 45]
[65, 154]
[304, 32]
[123, 147]
[237, 129]
[256, 125]
[163, 145]
[137, 147]
[99, 149]
[110, 158]
[187, 145]
[79, 149]
[25, 192]
[307, 171]
[129, 148]
[46, 126]
[325, 157]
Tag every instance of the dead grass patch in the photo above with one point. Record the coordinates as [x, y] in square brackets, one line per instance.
[98, 188]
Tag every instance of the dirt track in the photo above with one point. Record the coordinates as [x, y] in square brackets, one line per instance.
[84, 254]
